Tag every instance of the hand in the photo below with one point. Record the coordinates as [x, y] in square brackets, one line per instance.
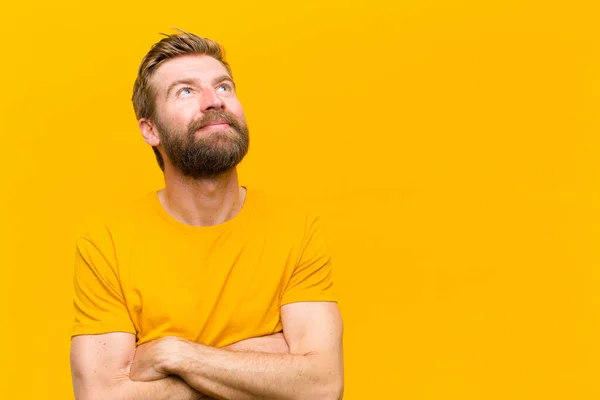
[274, 344]
[151, 359]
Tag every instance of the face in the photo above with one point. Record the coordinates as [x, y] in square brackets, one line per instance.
[199, 122]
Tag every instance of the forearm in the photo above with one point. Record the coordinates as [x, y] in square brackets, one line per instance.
[170, 388]
[253, 375]
[273, 344]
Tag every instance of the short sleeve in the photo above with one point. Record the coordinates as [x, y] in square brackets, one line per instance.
[311, 279]
[98, 299]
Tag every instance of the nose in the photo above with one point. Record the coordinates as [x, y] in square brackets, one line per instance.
[211, 100]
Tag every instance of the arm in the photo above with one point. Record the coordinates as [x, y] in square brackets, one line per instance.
[103, 342]
[312, 370]
[100, 370]
[274, 344]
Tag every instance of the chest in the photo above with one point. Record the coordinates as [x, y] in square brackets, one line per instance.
[207, 289]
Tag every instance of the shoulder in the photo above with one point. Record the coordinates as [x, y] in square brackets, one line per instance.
[275, 208]
[286, 217]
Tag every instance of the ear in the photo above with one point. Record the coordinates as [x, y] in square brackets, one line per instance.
[149, 131]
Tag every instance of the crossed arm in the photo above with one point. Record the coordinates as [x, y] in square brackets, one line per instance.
[307, 365]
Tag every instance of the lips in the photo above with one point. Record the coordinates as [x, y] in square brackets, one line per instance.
[211, 123]
[220, 122]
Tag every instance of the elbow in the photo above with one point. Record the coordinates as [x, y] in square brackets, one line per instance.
[334, 386]
[332, 390]
[320, 391]
[336, 391]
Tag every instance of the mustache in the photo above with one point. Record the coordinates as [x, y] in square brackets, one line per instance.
[212, 117]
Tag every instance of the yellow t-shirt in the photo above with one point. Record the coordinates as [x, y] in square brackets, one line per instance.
[142, 271]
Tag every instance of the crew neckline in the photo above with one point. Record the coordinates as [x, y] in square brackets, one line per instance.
[236, 220]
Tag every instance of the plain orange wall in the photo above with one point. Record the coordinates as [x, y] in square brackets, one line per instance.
[452, 146]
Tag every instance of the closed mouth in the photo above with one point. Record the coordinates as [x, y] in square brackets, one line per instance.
[216, 123]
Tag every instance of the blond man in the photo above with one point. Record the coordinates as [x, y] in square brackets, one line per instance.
[205, 288]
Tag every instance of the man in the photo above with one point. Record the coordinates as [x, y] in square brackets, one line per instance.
[204, 288]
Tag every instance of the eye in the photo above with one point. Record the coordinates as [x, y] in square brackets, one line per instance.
[224, 87]
[184, 91]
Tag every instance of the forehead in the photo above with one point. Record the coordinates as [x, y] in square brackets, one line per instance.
[200, 67]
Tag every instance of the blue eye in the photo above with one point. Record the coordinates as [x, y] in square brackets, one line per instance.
[222, 87]
[184, 90]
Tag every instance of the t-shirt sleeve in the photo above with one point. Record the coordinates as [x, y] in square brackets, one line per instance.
[311, 279]
[98, 299]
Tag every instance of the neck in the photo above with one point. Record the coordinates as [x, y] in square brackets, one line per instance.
[202, 202]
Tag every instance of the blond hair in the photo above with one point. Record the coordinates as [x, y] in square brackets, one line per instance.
[167, 48]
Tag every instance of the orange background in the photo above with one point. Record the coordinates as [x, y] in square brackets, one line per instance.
[452, 147]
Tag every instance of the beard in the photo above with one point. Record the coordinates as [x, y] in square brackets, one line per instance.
[205, 154]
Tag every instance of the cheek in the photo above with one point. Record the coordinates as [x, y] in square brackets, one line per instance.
[181, 118]
[236, 109]
[183, 111]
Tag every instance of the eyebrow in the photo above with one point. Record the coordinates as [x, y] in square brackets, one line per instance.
[187, 81]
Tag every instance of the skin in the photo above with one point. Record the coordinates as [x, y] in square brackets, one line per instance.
[101, 364]
[305, 362]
